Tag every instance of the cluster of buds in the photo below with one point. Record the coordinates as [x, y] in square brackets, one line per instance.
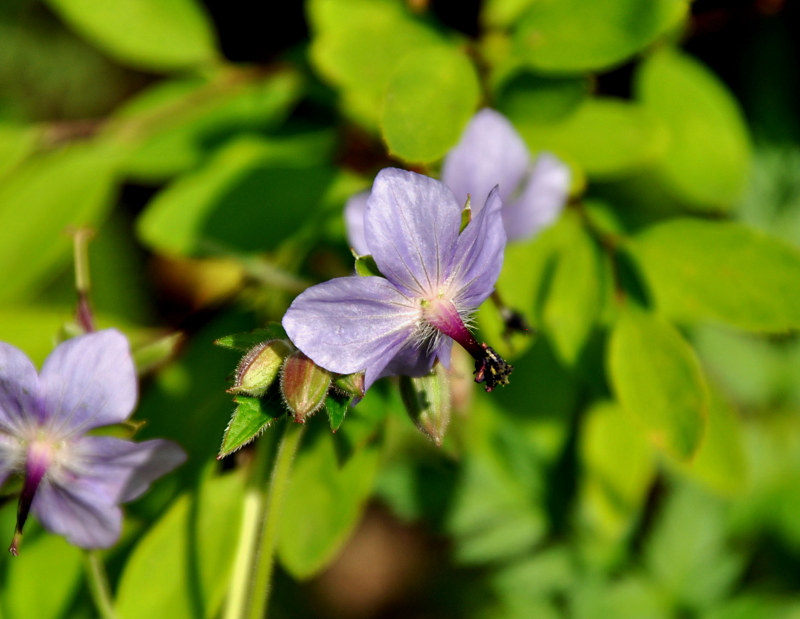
[272, 365]
[271, 359]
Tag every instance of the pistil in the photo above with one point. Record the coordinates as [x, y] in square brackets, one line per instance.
[490, 368]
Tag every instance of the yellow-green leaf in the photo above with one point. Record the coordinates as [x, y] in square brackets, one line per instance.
[658, 380]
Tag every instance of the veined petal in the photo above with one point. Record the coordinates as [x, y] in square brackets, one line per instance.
[78, 512]
[20, 402]
[354, 212]
[350, 324]
[411, 225]
[88, 382]
[542, 199]
[479, 256]
[490, 153]
[120, 470]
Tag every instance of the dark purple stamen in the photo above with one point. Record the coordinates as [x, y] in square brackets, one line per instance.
[38, 459]
[490, 368]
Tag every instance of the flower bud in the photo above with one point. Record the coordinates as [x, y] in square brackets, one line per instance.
[259, 367]
[304, 385]
[427, 400]
[352, 384]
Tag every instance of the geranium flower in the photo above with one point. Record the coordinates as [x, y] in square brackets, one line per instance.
[434, 278]
[491, 153]
[74, 483]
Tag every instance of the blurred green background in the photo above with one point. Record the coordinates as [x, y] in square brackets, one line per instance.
[645, 460]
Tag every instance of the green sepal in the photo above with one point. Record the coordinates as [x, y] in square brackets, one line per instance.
[251, 417]
[366, 266]
[337, 404]
[466, 214]
[246, 341]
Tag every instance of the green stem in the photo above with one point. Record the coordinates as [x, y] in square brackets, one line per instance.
[252, 572]
[98, 585]
[240, 592]
[264, 559]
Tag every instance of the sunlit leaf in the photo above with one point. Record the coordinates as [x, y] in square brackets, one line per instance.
[618, 468]
[605, 137]
[39, 200]
[573, 297]
[174, 125]
[723, 272]
[323, 503]
[24, 595]
[182, 565]
[707, 157]
[161, 35]
[585, 35]
[358, 45]
[429, 100]
[658, 380]
[248, 197]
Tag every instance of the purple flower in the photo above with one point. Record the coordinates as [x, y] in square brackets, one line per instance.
[491, 153]
[74, 482]
[434, 278]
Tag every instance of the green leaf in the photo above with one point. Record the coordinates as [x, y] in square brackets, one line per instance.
[16, 143]
[503, 13]
[358, 45]
[687, 552]
[574, 295]
[246, 341]
[39, 200]
[590, 35]
[337, 406]
[618, 467]
[658, 380]
[366, 266]
[539, 99]
[222, 204]
[431, 96]
[182, 565]
[720, 463]
[251, 417]
[23, 595]
[492, 515]
[160, 35]
[720, 271]
[630, 596]
[323, 504]
[605, 137]
[174, 125]
[527, 271]
[707, 160]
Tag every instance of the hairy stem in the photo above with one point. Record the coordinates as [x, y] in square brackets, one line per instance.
[250, 585]
[240, 592]
[98, 585]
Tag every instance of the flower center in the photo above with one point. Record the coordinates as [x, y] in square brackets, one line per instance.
[490, 367]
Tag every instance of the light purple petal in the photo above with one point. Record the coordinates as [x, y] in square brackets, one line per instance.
[479, 255]
[354, 222]
[351, 324]
[411, 360]
[490, 153]
[411, 224]
[77, 512]
[88, 382]
[20, 403]
[542, 199]
[120, 470]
